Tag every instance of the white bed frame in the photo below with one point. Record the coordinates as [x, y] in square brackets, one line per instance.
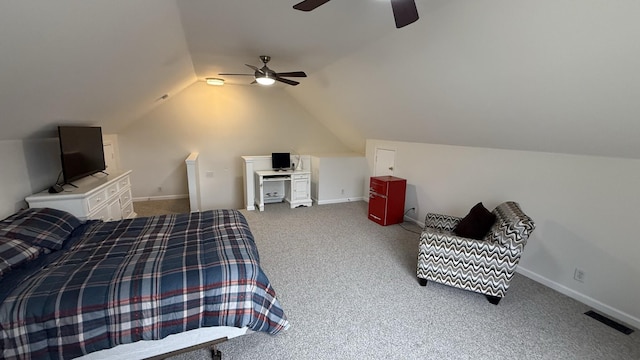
[201, 337]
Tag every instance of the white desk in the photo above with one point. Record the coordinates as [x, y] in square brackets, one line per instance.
[293, 187]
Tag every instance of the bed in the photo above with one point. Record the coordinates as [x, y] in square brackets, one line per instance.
[68, 289]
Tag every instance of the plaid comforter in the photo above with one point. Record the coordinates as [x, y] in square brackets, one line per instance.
[143, 278]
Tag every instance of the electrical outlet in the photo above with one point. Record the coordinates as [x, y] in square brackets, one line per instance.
[342, 191]
[159, 188]
[579, 275]
[410, 210]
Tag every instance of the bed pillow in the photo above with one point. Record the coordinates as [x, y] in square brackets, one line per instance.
[476, 224]
[14, 252]
[41, 227]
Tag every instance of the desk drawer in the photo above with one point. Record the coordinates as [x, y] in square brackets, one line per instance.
[299, 176]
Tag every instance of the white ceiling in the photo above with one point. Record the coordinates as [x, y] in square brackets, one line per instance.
[547, 75]
[224, 35]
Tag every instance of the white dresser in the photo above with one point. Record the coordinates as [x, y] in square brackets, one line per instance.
[98, 197]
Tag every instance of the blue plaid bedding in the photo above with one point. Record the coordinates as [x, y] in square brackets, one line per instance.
[141, 279]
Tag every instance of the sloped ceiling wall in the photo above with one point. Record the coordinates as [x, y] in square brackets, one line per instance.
[87, 62]
[548, 75]
[552, 76]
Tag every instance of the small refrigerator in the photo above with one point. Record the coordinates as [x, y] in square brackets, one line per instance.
[386, 199]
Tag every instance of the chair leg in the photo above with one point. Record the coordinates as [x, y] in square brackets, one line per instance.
[494, 299]
[422, 282]
[215, 354]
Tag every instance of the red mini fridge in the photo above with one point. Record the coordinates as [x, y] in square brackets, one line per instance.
[386, 199]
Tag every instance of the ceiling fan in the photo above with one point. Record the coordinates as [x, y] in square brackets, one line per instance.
[404, 11]
[266, 76]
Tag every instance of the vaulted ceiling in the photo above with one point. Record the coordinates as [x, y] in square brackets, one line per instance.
[548, 75]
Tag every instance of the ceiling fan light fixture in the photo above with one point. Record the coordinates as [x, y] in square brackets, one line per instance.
[265, 80]
[215, 81]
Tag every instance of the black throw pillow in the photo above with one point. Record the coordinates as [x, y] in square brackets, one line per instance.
[476, 224]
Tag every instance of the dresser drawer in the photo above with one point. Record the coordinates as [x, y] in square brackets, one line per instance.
[112, 190]
[124, 182]
[125, 197]
[102, 214]
[96, 200]
[127, 211]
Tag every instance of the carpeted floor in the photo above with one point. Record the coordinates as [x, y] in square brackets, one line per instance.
[349, 289]
[161, 207]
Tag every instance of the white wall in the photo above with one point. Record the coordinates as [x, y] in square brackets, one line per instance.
[28, 166]
[545, 75]
[337, 178]
[222, 124]
[12, 177]
[585, 209]
[87, 62]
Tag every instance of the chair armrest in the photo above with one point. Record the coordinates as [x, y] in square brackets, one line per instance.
[440, 221]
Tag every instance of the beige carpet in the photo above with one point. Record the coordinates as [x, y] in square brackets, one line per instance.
[349, 289]
[161, 207]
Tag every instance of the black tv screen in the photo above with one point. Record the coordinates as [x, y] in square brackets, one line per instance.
[280, 161]
[81, 151]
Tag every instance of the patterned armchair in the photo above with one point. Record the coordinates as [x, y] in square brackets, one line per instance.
[485, 266]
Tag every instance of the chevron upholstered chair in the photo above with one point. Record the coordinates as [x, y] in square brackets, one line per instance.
[485, 266]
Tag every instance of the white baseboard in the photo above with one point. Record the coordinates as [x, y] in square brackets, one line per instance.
[163, 197]
[412, 220]
[337, 201]
[589, 301]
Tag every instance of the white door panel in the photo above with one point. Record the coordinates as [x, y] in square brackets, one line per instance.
[384, 162]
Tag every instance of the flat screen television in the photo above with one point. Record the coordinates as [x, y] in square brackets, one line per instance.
[280, 161]
[81, 150]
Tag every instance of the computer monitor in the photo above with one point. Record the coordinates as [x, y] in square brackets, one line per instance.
[280, 161]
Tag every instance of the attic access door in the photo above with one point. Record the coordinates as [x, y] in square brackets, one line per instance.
[384, 163]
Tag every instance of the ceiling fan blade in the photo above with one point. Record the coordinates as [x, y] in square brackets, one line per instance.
[255, 68]
[309, 5]
[287, 81]
[293, 74]
[238, 74]
[404, 11]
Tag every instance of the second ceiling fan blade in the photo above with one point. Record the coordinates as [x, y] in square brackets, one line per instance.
[309, 5]
[287, 81]
[293, 74]
[255, 68]
[404, 11]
